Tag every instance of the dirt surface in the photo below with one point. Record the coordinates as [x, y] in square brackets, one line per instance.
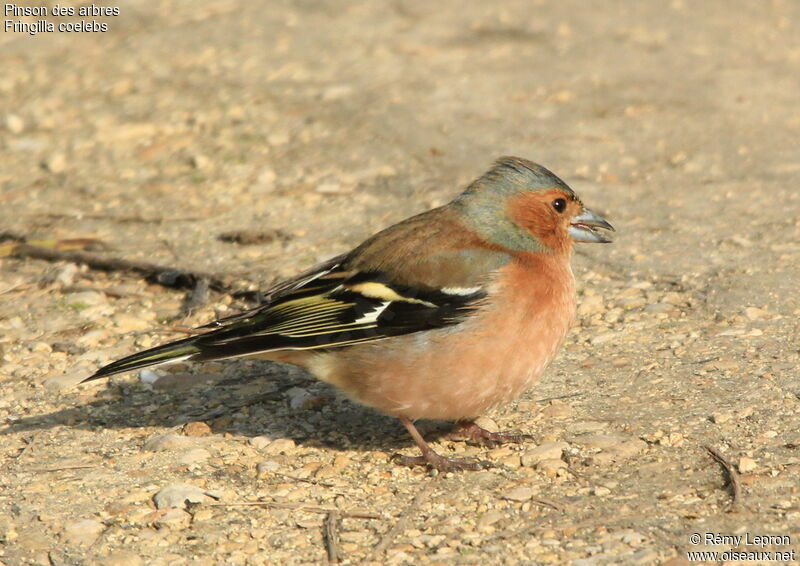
[313, 124]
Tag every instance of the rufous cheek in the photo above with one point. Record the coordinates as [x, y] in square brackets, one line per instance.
[533, 213]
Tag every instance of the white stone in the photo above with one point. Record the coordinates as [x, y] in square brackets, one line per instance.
[178, 495]
[169, 441]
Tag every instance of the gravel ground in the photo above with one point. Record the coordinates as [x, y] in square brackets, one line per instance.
[320, 122]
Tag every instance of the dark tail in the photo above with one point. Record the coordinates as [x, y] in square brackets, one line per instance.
[172, 352]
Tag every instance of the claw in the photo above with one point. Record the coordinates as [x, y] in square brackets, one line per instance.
[474, 434]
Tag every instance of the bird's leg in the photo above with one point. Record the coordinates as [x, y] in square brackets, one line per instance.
[469, 430]
[431, 458]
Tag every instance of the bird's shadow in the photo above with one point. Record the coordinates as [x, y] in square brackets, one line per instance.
[266, 398]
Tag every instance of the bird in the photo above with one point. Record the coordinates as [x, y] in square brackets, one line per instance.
[444, 315]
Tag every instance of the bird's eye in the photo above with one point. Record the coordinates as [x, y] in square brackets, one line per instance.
[560, 204]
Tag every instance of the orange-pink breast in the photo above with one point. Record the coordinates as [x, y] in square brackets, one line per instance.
[461, 371]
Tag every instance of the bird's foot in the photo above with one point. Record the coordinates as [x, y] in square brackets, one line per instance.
[433, 460]
[474, 434]
[438, 462]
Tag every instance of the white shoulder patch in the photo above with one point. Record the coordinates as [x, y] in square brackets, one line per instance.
[461, 291]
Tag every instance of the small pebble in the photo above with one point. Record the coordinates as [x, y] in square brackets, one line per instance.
[266, 181]
[520, 493]
[56, 163]
[633, 538]
[721, 417]
[280, 446]
[278, 138]
[83, 532]
[603, 338]
[67, 380]
[260, 442]
[487, 423]
[551, 467]
[149, 376]
[335, 92]
[121, 558]
[490, 518]
[85, 298]
[196, 428]
[590, 305]
[15, 124]
[601, 441]
[65, 274]
[8, 531]
[130, 323]
[201, 162]
[267, 467]
[755, 313]
[747, 464]
[557, 410]
[174, 519]
[644, 557]
[545, 451]
[298, 397]
[92, 338]
[329, 188]
[194, 456]
[169, 441]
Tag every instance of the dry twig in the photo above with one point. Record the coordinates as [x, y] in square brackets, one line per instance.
[311, 507]
[161, 274]
[119, 218]
[311, 481]
[63, 468]
[253, 237]
[549, 503]
[19, 285]
[28, 445]
[733, 475]
[569, 396]
[331, 536]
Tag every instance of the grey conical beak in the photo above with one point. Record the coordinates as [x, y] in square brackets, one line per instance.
[584, 228]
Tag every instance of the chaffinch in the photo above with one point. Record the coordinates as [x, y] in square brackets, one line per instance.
[441, 316]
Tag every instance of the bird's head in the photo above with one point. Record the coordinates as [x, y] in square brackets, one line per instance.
[521, 206]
